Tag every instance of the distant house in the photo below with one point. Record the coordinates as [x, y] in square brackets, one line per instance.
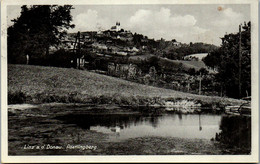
[109, 42]
[130, 49]
[99, 46]
[176, 44]
[121, 53]
[144, 40]
[134, 49]
[144, 47]
[99, 32]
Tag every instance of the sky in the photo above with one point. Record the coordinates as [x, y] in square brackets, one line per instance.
[185, 23]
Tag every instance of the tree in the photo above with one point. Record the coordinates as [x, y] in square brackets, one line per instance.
[37, 28]
[203, 71]
[213, 59]
[226, 60]
[137, 39]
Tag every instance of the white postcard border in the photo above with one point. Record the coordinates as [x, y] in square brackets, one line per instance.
[136, 158]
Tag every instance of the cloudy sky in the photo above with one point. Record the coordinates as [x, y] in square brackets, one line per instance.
[185, 23]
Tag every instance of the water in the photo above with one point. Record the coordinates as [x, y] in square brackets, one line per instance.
[230, 134]
[125, 126]
[235, 133]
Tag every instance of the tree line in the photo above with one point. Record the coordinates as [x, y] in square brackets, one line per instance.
[37, 29]
[226, 61]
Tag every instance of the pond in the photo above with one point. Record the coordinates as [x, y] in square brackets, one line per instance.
[125, 126]
[121, 131]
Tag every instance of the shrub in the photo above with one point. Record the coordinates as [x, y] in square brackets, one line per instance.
[17, 97]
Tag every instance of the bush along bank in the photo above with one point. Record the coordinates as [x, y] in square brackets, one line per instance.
[178, 105]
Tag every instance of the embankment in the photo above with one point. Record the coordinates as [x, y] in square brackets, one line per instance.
[38, 84]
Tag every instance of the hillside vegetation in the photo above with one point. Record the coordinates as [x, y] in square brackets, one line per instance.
[185, 64]
[38, 84]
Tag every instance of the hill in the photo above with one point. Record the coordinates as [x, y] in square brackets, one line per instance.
[165, 62]
[38, 84]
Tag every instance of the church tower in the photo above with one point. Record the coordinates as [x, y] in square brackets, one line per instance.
[118, 26]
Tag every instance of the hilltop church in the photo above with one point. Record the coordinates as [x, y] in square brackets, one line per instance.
[116, 27]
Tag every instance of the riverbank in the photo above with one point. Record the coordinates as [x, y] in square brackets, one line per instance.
[38, 84]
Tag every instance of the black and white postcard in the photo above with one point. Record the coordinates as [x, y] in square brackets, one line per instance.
[129, 81]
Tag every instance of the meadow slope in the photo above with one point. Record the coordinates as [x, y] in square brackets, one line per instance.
[38, 84]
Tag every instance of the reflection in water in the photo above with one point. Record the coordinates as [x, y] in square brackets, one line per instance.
[153, 120]
[235, 133]
[124, 126]
[200, 127]
[180, 116]
[106, 120]
[232, 132]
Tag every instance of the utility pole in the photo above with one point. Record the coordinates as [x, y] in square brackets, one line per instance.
[76, 50]
[200, 84]
[239, 64]
[200, 127]
[78, 53]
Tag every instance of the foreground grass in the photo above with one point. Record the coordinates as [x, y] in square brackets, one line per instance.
[38, 84]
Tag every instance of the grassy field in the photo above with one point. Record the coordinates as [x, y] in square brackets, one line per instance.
[197, 65]
[38, 84]
[194, 64]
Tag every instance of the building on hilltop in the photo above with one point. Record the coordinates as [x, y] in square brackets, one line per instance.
[116, 27]
[175, 43]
